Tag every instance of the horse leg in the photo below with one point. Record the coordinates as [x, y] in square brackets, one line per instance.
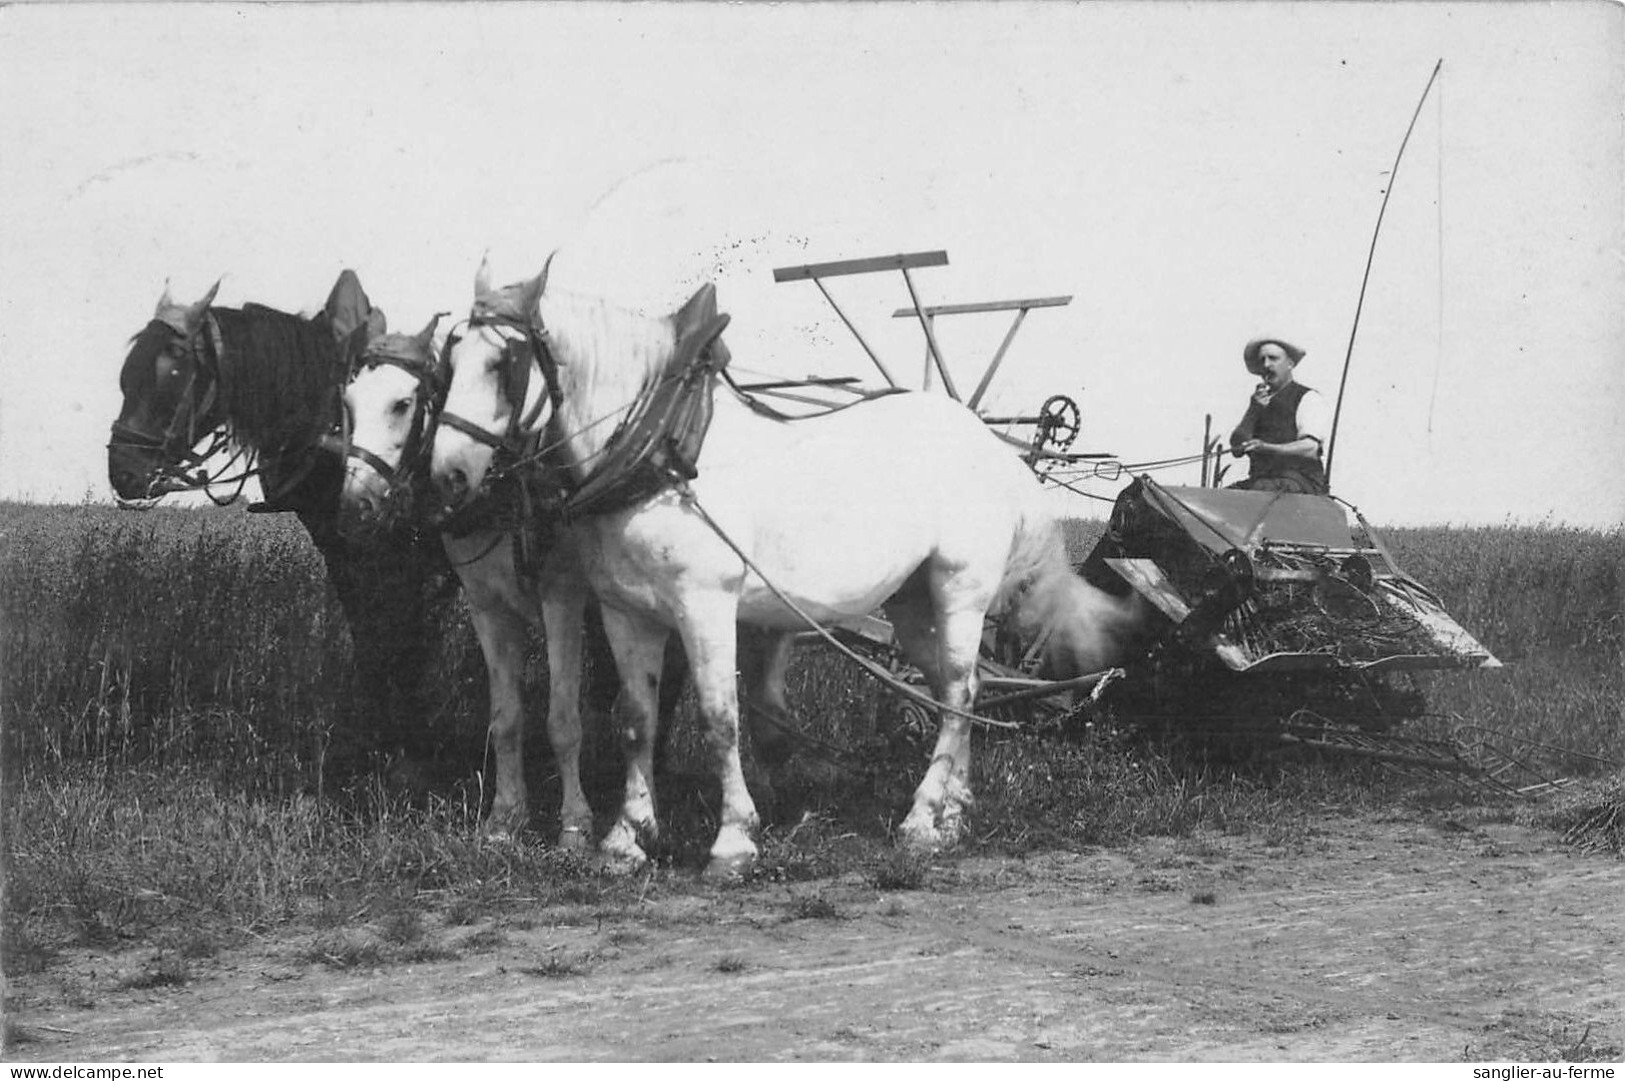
[602, 680]
[425, 580]
[604, 683]
[710, 639]
[945, 647]
[382, 589]
[389, 655]
[564, 603]
[673, 681]
[639, 645]
[764, 659]
[499, 624]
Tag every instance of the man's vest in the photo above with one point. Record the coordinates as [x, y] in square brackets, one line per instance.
[1277, 422]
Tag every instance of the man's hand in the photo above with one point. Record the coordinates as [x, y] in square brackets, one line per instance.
[1299, 448]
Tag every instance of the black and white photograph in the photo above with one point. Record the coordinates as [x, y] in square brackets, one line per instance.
[878, 532]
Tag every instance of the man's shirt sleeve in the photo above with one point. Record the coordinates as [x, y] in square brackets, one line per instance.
[1314, 418]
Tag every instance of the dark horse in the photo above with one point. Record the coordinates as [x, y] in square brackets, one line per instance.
[262, 389]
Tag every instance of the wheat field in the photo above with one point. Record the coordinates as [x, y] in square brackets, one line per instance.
[172, 679]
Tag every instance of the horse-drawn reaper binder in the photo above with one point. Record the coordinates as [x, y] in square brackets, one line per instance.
[1267, 615]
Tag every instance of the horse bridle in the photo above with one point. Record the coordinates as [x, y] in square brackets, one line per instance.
[519, 442]
[183, 454]
[206, 363]
[428, 395]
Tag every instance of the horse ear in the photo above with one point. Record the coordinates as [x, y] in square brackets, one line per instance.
[547, 268]
[195, 313]
[703, 340]
[426, 335]
[165, 302]
[482, 276]
[700, 310]
[442, 364]
[530, 296]
[348, 307]
[377, 325]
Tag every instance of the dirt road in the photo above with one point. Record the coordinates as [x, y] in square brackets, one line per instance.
[1361, 939]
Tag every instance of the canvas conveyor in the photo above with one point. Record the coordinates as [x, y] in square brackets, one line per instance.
[1273, 582]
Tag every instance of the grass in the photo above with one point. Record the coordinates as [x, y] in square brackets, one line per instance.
[166, 970]
[815, 907]
[171, 682]
[558, 967]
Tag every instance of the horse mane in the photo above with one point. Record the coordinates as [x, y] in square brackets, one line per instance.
[137, 374]
[585, 332]
[278, 375]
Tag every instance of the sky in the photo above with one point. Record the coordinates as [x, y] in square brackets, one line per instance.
[1193, 175]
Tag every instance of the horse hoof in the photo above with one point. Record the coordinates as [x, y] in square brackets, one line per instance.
[951, 831]
[620, 852]
[498, 833]
[919, 832]
[620, 864]
[729, 868]
[732, 854]
[573, 839]
[923, 839]
[502, 825]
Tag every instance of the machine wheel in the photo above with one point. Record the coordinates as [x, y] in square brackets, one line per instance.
[1059, 421]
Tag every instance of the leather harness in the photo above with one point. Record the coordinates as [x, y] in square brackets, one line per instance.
[654, 447]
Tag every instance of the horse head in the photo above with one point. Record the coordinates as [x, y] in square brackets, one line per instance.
[170, 401]
[390, 406]
[496, 391]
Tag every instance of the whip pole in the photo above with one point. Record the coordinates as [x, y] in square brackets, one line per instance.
[1371, 255]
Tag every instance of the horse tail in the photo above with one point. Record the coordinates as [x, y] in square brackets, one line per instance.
[1037, 552]
[1083, 628]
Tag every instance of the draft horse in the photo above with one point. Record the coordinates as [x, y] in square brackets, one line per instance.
[262, 388]
[904, 502]
[512, 578]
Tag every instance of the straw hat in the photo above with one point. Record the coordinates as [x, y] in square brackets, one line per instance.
[1249, 355]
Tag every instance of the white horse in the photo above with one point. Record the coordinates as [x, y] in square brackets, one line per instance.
[905, 502]
[391, 403]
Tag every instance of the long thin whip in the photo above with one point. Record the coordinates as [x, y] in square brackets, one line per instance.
[1371, 255]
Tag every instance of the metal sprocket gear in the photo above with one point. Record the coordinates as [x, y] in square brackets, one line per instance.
[1059, 421]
